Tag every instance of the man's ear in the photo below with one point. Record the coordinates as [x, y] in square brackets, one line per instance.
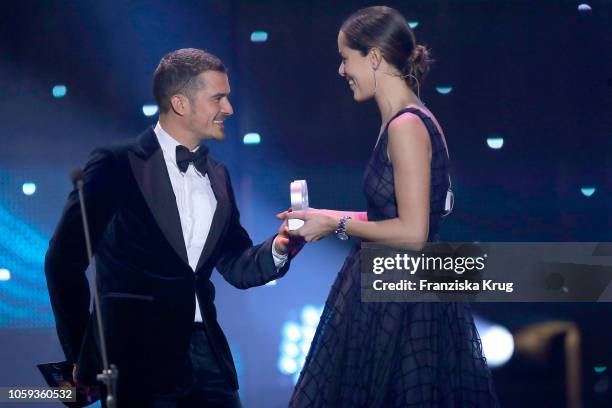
[179, 104]
[375, 58]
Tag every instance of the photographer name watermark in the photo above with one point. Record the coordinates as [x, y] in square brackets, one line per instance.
[444, 287]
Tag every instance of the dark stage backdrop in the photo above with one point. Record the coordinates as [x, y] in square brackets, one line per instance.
[531, 76]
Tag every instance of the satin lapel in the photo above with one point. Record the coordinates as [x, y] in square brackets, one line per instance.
[220, 219]
[153, 180]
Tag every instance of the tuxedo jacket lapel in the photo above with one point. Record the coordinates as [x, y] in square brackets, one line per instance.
[151, 174]
[218, 182]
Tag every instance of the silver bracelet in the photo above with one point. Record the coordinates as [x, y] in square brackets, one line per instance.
[341, 230]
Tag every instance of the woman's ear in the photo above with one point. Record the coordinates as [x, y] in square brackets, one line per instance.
[375, 58]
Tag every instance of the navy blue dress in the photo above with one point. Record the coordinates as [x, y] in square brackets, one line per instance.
[394, 354]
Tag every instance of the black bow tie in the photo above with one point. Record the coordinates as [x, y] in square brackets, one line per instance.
[198, 158]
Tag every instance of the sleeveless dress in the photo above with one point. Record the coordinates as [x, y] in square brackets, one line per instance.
[384, 355]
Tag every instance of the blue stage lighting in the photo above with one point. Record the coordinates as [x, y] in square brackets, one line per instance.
[149, 110]
[24, 299]
[495, 142]
[259, 36]
[251, 139]
[600, 369]
[297, 338]
[28, 188]
[584, 8]
[588, 191]
[444, 90]
[413, 24]
[59, 91]
[5, 274]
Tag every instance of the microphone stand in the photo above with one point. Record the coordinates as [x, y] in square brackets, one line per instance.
[110, 373]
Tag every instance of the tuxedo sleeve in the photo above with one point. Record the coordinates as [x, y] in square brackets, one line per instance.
[242, 264]
[66, 260]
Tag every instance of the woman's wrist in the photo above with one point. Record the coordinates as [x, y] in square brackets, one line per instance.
[333, 222]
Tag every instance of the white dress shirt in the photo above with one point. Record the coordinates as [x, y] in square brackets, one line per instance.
[196, 204]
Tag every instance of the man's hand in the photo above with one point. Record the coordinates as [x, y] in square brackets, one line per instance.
[284, 243]
[90, 393]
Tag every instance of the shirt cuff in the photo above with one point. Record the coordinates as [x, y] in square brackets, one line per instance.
[279, 259]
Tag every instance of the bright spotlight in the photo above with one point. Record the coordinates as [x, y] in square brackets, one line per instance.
[28, 188]
[296, 340]
[251, 139]
[59, 91]
[497, 345]
[149, 110]
[5, 274]
[287, 365]
[290, 350]
[292, 331]
[308, 333]
[444, 90]
[587, 191]
[495, 142]
[259, 36]
[310, 315]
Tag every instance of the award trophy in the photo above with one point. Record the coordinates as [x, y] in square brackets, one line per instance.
[299, 201]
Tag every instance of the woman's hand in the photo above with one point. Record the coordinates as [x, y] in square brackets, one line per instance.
[317, 223]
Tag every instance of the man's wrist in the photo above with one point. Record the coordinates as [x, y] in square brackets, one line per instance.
[280, 259]
[280, 255]
[276, 252]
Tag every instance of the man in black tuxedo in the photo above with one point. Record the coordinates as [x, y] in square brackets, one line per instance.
[162, 215]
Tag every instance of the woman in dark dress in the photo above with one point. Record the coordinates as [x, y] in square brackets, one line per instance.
[391, 354]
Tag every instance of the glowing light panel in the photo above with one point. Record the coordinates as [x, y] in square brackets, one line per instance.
[297, 338]
[59, 91]
[588, 191]
[251, 139]
[259, 36]
[495, 142]
[5, 274]
[28, 188]
[149, 110]
[497, 345]
[444, 90]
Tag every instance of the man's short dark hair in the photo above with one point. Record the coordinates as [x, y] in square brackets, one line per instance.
[177, 72]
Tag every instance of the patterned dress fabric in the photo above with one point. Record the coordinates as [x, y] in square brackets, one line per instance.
[385, 355]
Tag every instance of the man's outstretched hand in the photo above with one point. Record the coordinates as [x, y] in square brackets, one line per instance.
[286, 244]
[88, 392]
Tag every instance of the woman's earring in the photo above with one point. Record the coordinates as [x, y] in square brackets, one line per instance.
[375, 82]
